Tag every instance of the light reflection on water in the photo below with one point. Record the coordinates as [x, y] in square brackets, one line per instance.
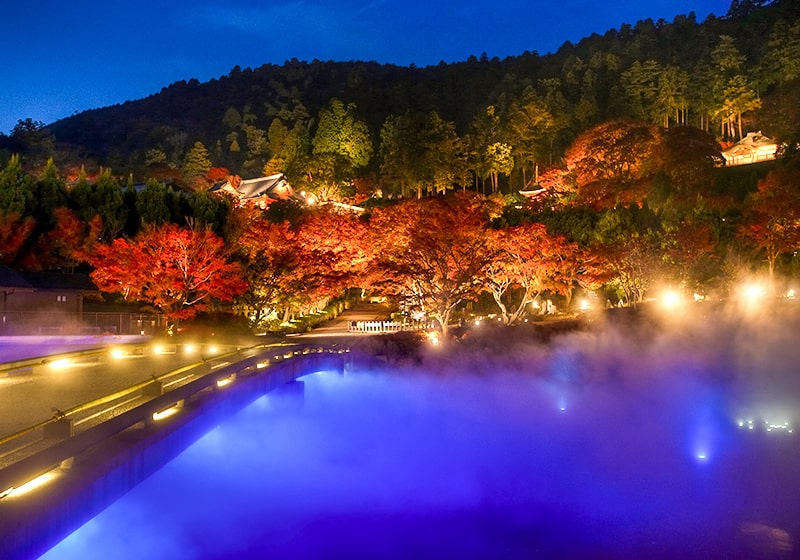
[469, 466]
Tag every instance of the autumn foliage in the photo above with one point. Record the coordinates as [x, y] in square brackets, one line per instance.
[434, 251]
[14, 231]
[179, 271]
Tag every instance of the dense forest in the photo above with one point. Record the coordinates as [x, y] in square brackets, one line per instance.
[726, 75]
[619, 136]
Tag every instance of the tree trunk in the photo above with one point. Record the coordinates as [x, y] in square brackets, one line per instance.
[503, 310]
[740, 126]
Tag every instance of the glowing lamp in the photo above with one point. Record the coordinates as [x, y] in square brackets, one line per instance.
[166, 413]
[670, 298]
[61, 363]
[754, 291]
[30, 486]
[225, 381]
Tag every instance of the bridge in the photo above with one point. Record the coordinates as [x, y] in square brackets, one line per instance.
[81, 466]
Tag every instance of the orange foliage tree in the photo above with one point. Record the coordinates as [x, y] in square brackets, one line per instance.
[689, 246]
[434, 252]
[14, 232]
[179, 271]
[270, 258]
[612, 161]
[772, 215]
[334, 252]
[532, 261]
[71, 241]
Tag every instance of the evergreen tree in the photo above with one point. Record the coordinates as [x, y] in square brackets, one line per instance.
[15, 188]
[197, 161]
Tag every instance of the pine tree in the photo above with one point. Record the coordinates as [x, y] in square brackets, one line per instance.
[197, 161]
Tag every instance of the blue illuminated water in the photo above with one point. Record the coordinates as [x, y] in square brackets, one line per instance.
[479, 465]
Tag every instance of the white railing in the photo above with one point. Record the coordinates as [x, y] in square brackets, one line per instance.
[373, 327]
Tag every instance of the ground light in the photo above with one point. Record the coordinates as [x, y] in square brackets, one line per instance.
[30, 486]
[167, 412]
[670, 299]
[61, 363]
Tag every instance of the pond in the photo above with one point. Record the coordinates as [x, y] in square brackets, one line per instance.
[587, 453]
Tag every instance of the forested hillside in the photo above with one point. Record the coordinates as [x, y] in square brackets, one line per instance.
[616, 142]
[498, 118]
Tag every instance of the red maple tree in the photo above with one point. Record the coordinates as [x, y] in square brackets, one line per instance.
[271, 259]
[179, 271]
[434, 252]
[531, 261]
[772, 215]
[333, 250]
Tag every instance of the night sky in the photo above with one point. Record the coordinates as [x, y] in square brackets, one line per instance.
[65, 57]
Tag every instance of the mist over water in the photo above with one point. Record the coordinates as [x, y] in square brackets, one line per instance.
[668, 438]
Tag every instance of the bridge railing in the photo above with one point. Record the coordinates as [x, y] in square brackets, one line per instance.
[63, 452]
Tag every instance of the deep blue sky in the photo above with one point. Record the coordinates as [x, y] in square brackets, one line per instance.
[64, 57]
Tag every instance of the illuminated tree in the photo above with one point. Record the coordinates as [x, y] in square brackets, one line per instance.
[154, 203]
[288, 149]
[529, 261]
[270, 259]
[532, 129]
[740, 97]
[733, 92]
[640, 82]
[210, 210]
[691, 157]
[102, 198]
[628, 242]
[196, 163]
[179, 271]
[772, 215]
[333, 250]
[618, 150]
[71, 241]
[689, 247]
[49, 193]
[780, 62]
[422, 153]
[614, 163]
[340, 132]
[491, 156]
[433, 252]
[499, 161]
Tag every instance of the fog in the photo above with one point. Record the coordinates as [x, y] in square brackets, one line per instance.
[660, 436]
